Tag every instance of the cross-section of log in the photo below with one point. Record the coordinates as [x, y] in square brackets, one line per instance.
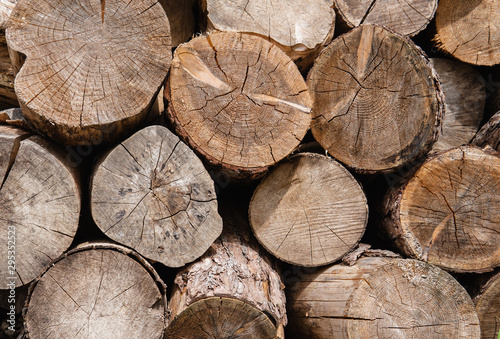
[152, 193]
[488, 308]
[298, 29]
[97, 290]
[39, 205]
[181, 16]
[377, 100]
[8, 96]
[309, 211]
[489, 134]
[92, 68]
[465, 98]
[448, 213]
[405, 17]
[238, 101]
[380, 298]
[470, 30]
[233, 291]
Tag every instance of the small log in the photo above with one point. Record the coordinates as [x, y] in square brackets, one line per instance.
[181, 16]
[469, 31]
[447, 213]
[377, 100]
[299, 30]
[97, 290]
[380, 298]
[488, 308]
[489, 134]
[39, 205]
[151, 193]
[92, 68]
[233, 291]
[405, 17]
[465, 98]
[238, 101]
[309, 211]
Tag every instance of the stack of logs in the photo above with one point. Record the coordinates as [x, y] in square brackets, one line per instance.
[249, 169]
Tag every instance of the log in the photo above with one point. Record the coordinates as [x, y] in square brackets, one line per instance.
[238, 101]
[489, 134]
[92, 68]
[97, 290]
[301, 31]
[407, 18]
[8, 98]
[309, 211]
[182, 18]
[447, 213]
[151, 193]
[39, 205]
[465, 99]
[469, 31]
[377, 100]
[380, 298]
[488, 308]
[233, 291]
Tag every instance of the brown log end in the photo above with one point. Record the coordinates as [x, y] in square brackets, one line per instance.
[489, 134]
[488, 308]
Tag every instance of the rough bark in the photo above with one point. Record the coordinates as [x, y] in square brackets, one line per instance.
[377, 100]
[181, 16]
[469, 30]
[488, 308]
[233, 291]
[152, 193]
[381, 298]
[39, 205]
[489, 134]
[465, 98]
[405, 17]
[309, 211]
[97, 290]
[238, 101]
[93, 67]
[447, 213]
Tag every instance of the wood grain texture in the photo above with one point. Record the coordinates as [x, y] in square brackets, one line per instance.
[381, 298]
[93, 67]
[309, 211]
[238, 101]
[8, 96]
[377, 100]
[489, 134]
[469, 30]
[488, 308]
[447, 213]
[39, 203]
[181, 16]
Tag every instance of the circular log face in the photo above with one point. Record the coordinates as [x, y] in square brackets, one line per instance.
[96, 294]
[449, 211]
[238, 100]
[309, 211]
[92, 66]
[153, 194]
[488, 308]
[377, 101]
[470, 30]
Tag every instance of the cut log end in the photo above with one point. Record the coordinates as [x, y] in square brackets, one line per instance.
[489, 134]
[488, 308]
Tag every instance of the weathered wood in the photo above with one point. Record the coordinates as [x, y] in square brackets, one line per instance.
[465, 98]
[469, 30]
[488, 308]
[309, 211]
[380, 298]
[8, 96]
[97, 290]
[377, 100]
[447, 213]
[405, 17]
[233, 291]
[489, 134]
[238, 101]
[301, 30]
[152, 193]
[39, 205]
[181, 16]
[92, 68]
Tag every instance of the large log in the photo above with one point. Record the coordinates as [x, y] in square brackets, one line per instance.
[448, 212]
[469, 30]
[377, 100]
[92, 68]
[309, 211]
[488, 308]
[489, 134]
[97, 290]
[152, 193]
[238, 101]
[380, 298]
[39, 205]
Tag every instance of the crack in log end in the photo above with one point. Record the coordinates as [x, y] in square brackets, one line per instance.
[103, 6]
[272, 100]
[13, 155]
